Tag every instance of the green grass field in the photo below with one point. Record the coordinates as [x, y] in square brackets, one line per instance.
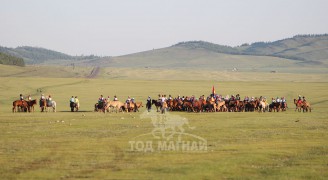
[86, 144]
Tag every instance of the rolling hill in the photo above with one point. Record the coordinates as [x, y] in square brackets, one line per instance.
[307, 48]
[301, 53]
[36, 55]
[305, 53]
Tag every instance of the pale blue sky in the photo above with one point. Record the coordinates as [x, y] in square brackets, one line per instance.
[117, 27]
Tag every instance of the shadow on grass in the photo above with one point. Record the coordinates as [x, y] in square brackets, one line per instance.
[75, 111]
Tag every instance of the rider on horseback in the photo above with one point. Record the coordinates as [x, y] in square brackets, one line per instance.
[299, 101]
[49, 101]
[21, 97]
[115, 98]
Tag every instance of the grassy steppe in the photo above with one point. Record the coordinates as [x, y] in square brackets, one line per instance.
[64, 145]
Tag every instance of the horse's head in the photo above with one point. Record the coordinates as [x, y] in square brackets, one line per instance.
[153, 101]
[33, 102]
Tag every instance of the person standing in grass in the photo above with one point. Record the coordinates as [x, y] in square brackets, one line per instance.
[71, 103]
[148, 104]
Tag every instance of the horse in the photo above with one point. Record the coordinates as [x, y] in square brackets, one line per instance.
[262, 106]
[20, 105]
[31, 104]
[157, 104]
[306, 106]
[197, 106]
[177, 105]
[170, 104]
[132, 106]
[187, 106]
[99, 106]
[232, 105]
[275, 106]
[51, 104]
[220, 106]
[284, 106]
[298, 104]
[164, 107]
[115, 104]
[240, 106]
[43, 105]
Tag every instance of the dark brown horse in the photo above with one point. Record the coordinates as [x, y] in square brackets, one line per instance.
[31, 104]
[157, 104]
[20, 105]
[187, 106]
[275, 107]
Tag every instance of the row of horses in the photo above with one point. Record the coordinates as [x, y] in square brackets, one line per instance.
[28, 106]
[201, 105]
[210, 105]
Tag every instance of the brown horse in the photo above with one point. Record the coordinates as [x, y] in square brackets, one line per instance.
[129, 107]
[164, 107]
[20, 105]
[170, 104]
[187, 106]
[298, 104]
[240, 106]
[306, 106]
[197, 106]
[43, 105]
[31, 104]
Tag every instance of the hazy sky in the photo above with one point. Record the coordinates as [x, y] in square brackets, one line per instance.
[117, 27]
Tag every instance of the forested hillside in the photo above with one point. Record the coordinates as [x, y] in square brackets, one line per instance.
[11, 60]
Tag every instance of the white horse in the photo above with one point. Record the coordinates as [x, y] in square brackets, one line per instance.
[53, 106]
[263, 106]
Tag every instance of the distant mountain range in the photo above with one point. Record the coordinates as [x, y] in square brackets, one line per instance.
[300, 50]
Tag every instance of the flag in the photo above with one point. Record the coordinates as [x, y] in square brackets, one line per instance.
[213, 90]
